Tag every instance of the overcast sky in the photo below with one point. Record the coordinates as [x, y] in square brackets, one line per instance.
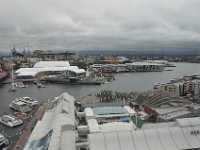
[100, 24]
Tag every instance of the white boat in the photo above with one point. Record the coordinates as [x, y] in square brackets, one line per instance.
[21, 85]
[3, 141]
[18, 105]
[29, 101]
[13, 88]
[10, 121]
[40, 85]
[156, 85]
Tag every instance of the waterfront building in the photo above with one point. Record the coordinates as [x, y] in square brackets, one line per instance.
[59, 129]
[165, 63]
[196, 88]
[44, 69]
[144, 67]
[173, 88]
[49, 55]
[181, 87]
[128, 67]
[192, 87]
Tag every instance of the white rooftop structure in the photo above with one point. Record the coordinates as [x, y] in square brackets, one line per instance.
[158, 61]
[143, 63]
[56, 130]
[43, 64]
[183, 134]
[48, 66]
[117, 126]
[172, 113]
[34, 71]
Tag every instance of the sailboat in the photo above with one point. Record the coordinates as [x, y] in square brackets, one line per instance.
[13, 86]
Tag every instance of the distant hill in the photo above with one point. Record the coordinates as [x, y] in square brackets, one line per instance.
[130, 53]
[8, 53]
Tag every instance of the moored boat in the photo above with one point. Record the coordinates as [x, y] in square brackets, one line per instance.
[13, 87]
[40, 85]
[29, 101]
[10, 121]
[18, 105]
[3, 141]
[20, 85]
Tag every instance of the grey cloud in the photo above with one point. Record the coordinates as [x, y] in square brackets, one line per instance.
[101, 24]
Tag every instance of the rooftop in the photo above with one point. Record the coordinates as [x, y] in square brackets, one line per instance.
[43, 64]
[109, 110]
[57, 130]
[34, 71]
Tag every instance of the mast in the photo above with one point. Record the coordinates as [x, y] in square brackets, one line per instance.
[11, 66]
[13, 88]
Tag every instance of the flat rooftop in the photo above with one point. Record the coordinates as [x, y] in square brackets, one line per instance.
[109, 110]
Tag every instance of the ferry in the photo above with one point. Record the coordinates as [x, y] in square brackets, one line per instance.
[3, 141]
[10, 121]
[29, 101]
[18, 105]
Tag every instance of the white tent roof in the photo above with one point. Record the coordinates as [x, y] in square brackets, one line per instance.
[34, 71]
[43, 64]
[185, 122]
[163, 138]
[117, 126]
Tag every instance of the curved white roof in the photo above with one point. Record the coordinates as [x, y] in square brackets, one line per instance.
[43, 64]
[34, 71]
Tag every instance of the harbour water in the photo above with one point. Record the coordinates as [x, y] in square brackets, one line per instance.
[140, 81]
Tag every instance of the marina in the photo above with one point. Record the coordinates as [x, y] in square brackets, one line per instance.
[128, 82]
[99, 75]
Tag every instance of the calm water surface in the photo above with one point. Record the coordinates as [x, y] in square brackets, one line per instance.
[140, 81]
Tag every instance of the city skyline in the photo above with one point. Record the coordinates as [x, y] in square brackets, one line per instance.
[100, 25]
